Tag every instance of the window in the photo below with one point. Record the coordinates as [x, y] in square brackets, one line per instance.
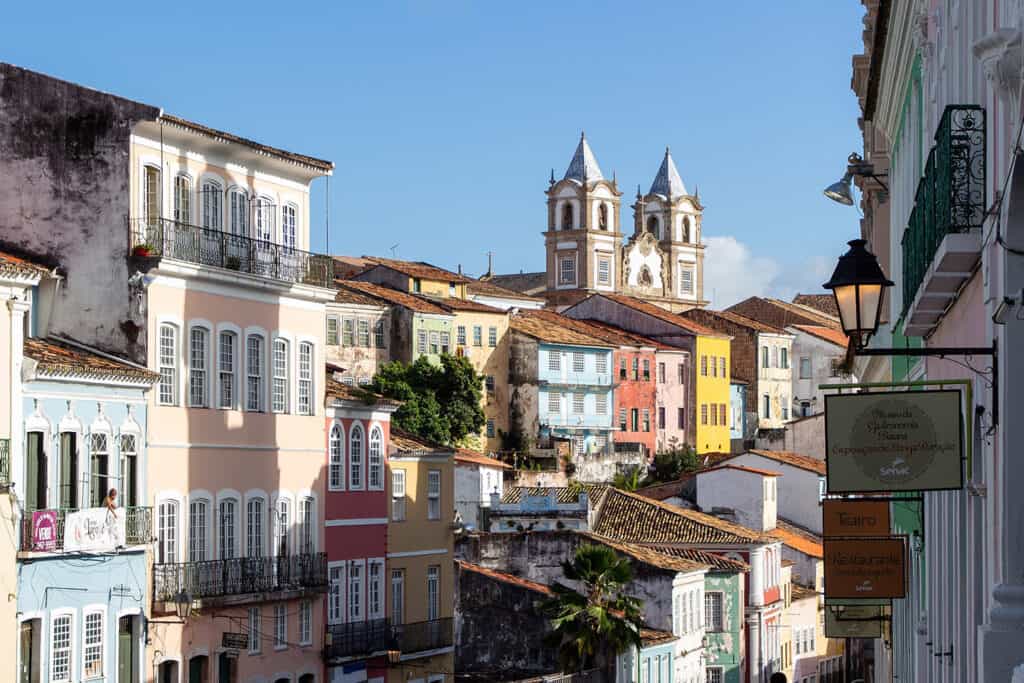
[446, 341]
[604, 270]
[69, 482]
[634, 415]
[721, 367]
[376, 459]
[167, 532]
[764, 356]
[785, 408]
[375, 589]
[766, 406]
[305, 378]
[714, 674]
[489, 384]
[714, 415]
[226, 374]
[254, 630]
[554, 361]
[335, 581]
[151, 194]
[722, 419]
[307, 519]
[622, 420]
[363, 328]
[280, 627]
[264, 219]
[378, 334]
[492, 337]
[355, 591]
[775, 356]
[836, 367]
[460, 335]
[686, 280]
[197, 367]
[578, 401]
[212, 211]
[397, 596]
[283, 521]
[197, 530]
[647, 420]
[421, 341]
[355, 458]
[703, 413]
[602, 216]
[238, 212]
[805, 367]
[713, 616]
[601, 404]
[335, 473]
[434, 494]
[636, 369]
[254, 527]
[661, 373]
[647, 371]
[279, 385]
[332, 330]
[478, 335]
[306, 622]
[661, 417]
[398, 495]
[348, 332]
[226, 536]
[433, 593]
[681, 418]
[129, 469]
[490, 429]
[703, 366]
[92, 645]
[567, 216]
[784, 358]
[577, 361]
[567, 270]
[288, 213]
[99, 456]
[554, 403]
[60, 648]
[435, 342]
[601, 363]
[254, 373]
[168, 362]
[623, 371]
[182, 199]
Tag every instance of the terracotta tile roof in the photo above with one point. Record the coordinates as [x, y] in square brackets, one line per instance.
[741, 468]
[505, 578]
[795, 459]
[548, 326]
[563, 494]
[668, 489]
[826, 303]
[19, 266]
[798, 539]
[650, 556]
[813, 313]
[661, 314]
[335, 390]
[419, 269]
[349, 295]
[714, 560]
[468, 457]
[346, 267]
[490, 288]
[320, 164]
[701, 316]
[456, 304]
[404, 442]
[613, 334]
[803, 592]
[61, 358]
[393, 296]
[526, 283]
[827, 333]
[629, 517]
[651, 636]
[781, 313]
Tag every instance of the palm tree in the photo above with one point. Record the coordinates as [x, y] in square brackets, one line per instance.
[599, 618]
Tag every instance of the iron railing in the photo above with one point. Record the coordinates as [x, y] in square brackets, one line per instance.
[240, 576]
[138, 528]
[163, 237]
[951, 194]
[5, 462]
[358, 638]
[421, 636]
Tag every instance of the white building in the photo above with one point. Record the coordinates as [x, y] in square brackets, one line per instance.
[477, 478]
[800, 482]
[748, 494]
[818, 355]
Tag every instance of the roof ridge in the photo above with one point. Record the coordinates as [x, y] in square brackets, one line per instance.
[697, 517]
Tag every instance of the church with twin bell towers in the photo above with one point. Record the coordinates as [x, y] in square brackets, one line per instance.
[662, 261]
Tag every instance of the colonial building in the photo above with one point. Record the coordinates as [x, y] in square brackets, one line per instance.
[477, 479]
[358, 335]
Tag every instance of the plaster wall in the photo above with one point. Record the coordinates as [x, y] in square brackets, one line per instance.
[820, 353]
[489, 361]
[713, 390]
[798, 490]
[359, 362]
[670, 396]
[751, 496]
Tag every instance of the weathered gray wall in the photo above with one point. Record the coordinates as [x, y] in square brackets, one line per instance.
[64, 194]
[523, 414]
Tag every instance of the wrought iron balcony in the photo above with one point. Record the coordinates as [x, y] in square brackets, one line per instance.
[950, 201]
[240, 576]
[138, 529]
[166, 238]
[357, 639]
[5, 463]
[421, 636]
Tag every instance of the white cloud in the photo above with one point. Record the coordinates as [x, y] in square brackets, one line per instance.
[732, 273]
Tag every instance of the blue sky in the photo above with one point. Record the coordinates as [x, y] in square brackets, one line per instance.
[444, 119]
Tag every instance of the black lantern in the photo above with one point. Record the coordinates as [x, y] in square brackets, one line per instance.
[858, 285]
[183, 605]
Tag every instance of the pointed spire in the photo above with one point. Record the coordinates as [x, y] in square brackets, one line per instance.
[583, 166]
[668, 183]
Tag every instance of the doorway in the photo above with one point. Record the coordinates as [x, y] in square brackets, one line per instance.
[29, 670]
[128, 649]
[198, 669]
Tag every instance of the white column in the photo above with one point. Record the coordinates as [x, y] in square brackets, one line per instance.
[18, 307]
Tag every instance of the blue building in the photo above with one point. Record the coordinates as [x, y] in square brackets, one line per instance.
[81, 568]
[561, 383]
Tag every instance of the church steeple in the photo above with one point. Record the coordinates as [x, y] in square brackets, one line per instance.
[667, 182]
[583, 167]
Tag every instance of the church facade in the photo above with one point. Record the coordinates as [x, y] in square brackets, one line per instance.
[662, 261]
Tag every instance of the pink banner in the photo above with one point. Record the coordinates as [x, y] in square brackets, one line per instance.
[44, 530]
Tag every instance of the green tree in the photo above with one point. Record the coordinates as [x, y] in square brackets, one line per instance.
[628, 480]
[440, 403]
[597, 620]
[673, 463]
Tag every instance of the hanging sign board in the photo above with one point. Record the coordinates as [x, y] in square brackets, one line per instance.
[865, 567]
[893, 441]
[842, 603]
[234, 641]
[44, 530]
[861, 621]
[855, 518]
[94, 530]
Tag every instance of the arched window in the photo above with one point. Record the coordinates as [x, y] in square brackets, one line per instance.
[264, 219]
[336, 454]
[602, 216]
[376, 459]
[238, 205]
[151, 194]
[279, 386]
[355, 458]
[289, 215]
[282, 527]
[35, 457]
[567, 216]
[168, 364]
[99, 466]
[686, 229]
[167, 532]
[652, 226]
[182, 198]
[254, 527]
[227, 537]
[199, 345]
[213, 212]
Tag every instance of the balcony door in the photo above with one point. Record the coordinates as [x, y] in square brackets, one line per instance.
[128, 649]
[68, 471]
[35, 472]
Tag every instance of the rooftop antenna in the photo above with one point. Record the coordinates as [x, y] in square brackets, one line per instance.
[490, 265]
[394, 249]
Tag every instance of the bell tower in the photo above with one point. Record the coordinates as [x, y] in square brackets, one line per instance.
[584, 231]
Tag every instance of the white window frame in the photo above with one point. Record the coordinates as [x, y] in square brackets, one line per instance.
[158, 195]
[433, 592]
[554, 360]
[255, 630]
[336, 334]
[280, 626]
[305, 401]
[260, 499]
[601, 404]
[604, 270]
[709, 611]
[168, 548]
[336, 587]
[687, 271]
[356, 457]
[434, 494]
[211, 205]
[205, 547]
[172, 369]
[71, 648]
[554, 403]
[336, 457]
[398, 495]
[238, 211]
[255, 373]
[579, 361]
[567, 271]
[280, 381]
[397, 588]
[375, 583]
[202, 381]
[282, 524]
[290, 226]
[375, 459]
[228, 544]
[88, 611]
[306, 526]
[306, 622]
[355, 593]
[579, 403]
[601, 363]
[263, 219]
[228, 374]
[179, 215]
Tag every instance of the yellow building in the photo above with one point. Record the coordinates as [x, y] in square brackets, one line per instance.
[420, 565]
[413, 276]
[713, 365]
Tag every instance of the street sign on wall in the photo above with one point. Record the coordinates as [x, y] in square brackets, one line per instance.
[234, 641]
[855, 621]
[893, 441]
[855, 517]
[865, 567]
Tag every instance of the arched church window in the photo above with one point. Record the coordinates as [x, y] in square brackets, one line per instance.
[567, 216]
[652, 226]
[602, 217]
[686, 229]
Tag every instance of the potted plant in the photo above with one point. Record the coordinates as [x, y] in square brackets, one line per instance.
[142, 251]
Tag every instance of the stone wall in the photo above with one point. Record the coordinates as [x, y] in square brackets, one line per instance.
[524, 418]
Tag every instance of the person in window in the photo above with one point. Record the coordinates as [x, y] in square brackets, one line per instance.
[778, 677]
[110, 502]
